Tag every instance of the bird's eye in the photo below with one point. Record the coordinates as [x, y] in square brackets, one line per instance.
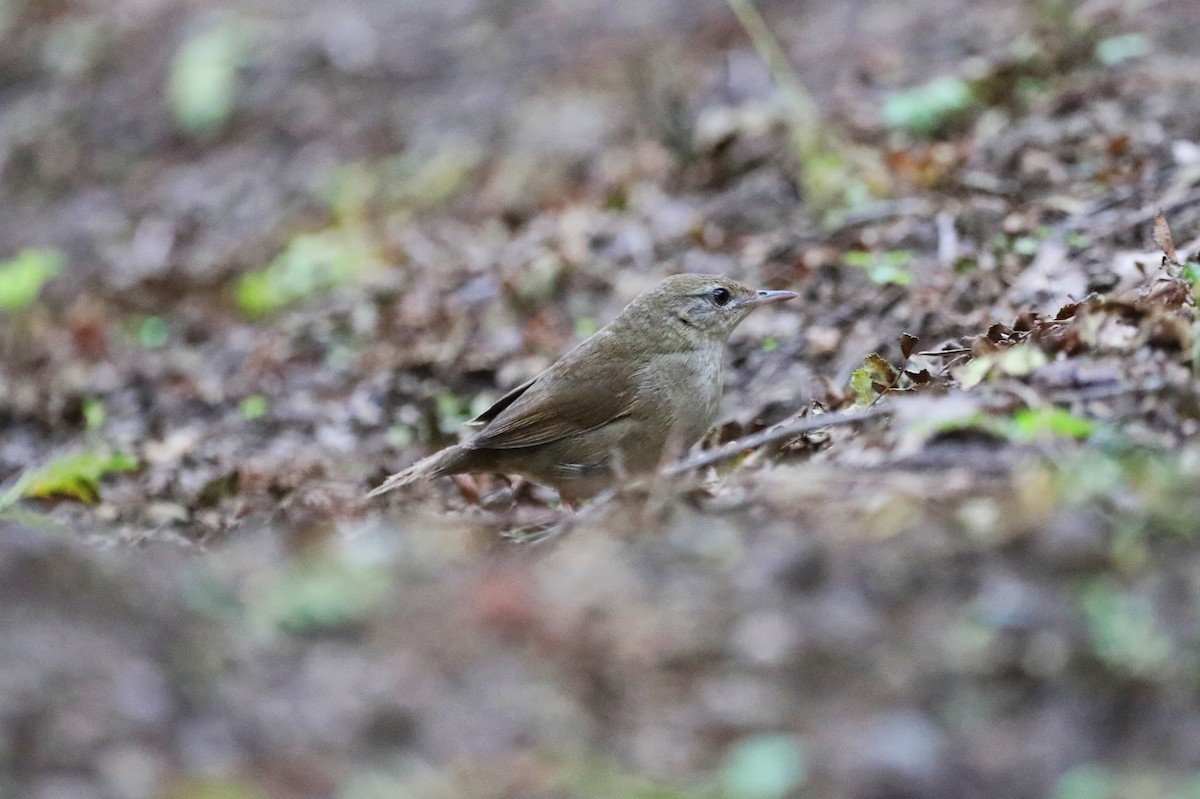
[721, 295]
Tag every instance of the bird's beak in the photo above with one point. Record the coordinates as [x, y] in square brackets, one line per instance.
[768, 298]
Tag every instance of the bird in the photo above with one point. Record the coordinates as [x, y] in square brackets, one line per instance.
[643, 388]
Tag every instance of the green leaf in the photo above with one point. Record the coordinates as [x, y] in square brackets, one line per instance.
[599, 779]
[257, 296]
[324, 594]
[874, 372]
[22, 278]
[1124, 630]
[924, 109]
[71, 476]
[882, 268]
[1076, 240]
[586, 326]
[253, 407]
[1187, 788]
[859, 258]
[311, 263]
[888, 275]
[201, 589]
[860, 386]
[431, 180]
[1087, 781]
[400, 436]
[93, 414]
[1191, 273]
[973, 372]
[203, 84]
[1116, 49]
[1021, 360]
[213, 788]
[452, 412]
[1027, 246]
[153, 332]
[1031, 423]
[764, 767]
[1025, 425]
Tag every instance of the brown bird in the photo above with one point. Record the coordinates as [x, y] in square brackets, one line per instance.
[645, 387]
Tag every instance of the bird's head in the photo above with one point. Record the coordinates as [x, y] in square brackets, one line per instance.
[699, 307]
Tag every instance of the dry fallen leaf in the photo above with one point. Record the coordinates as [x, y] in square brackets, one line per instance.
[1162, 237]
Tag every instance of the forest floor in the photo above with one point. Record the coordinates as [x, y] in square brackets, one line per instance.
[254, 260]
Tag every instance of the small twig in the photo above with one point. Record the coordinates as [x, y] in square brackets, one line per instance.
[984, 183]
[947, 238]
[1129, 220]
[569, 520]
[770, 51]
[1103, 392]
[826, 161]
[881, 211]
[790, 428]
[945, 353]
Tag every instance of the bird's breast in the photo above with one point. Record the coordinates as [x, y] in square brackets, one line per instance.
[684, 391]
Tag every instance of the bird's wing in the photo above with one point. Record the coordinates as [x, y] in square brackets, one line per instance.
[587, 388]
[499, 405]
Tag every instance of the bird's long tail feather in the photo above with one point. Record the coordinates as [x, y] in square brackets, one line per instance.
[435, 465]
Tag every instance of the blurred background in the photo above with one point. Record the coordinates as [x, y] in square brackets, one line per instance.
[255, 255]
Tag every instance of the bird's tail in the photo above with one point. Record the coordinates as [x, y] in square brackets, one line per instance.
[435, 465]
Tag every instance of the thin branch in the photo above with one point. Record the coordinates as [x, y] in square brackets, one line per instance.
[945, 353]
[770, 51]
[787, 429]
[1109, 391]
[882, 211]
[790, 428]
[1129, 220]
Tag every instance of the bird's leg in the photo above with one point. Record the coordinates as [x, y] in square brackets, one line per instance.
[467, 487]
[596, 506]
[503, 498]
[616, 464]
[659, 493]
[545, 531]
[521, 488]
